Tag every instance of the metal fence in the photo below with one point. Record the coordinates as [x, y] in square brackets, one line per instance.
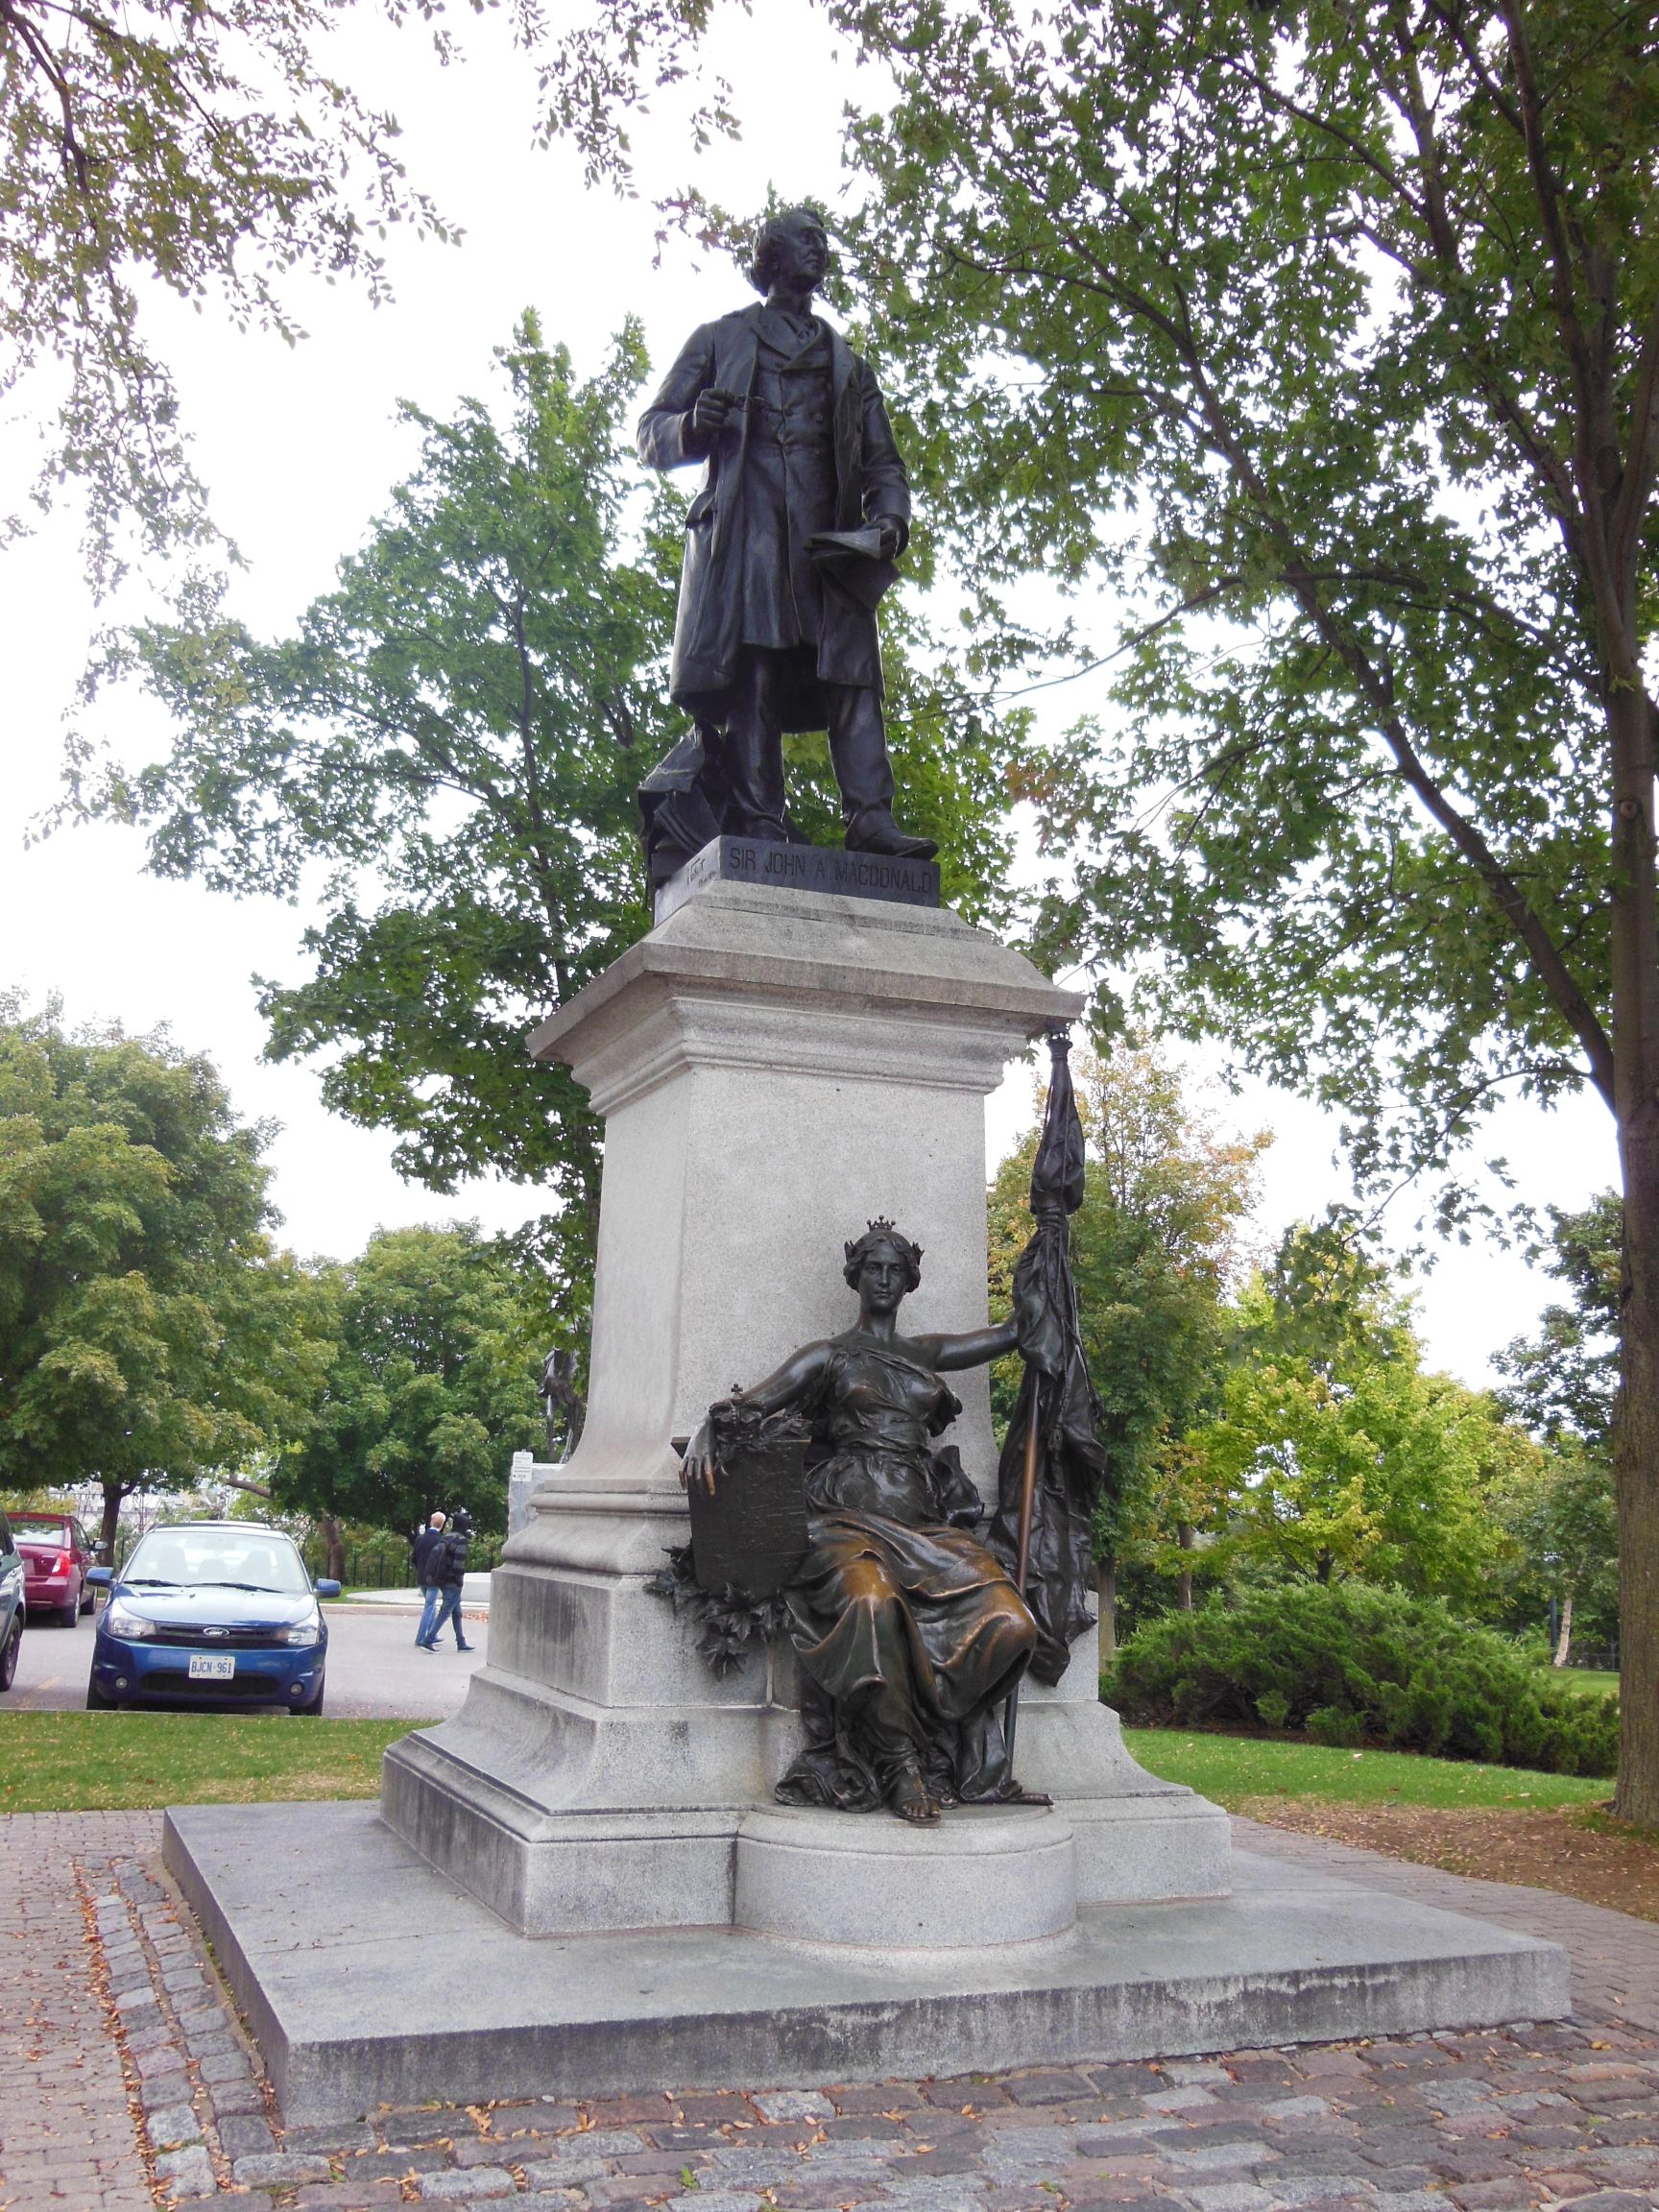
[386, 1566]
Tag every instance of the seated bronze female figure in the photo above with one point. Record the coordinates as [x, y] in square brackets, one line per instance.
[910, 1634]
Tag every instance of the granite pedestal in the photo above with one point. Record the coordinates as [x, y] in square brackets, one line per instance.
[775, 1067]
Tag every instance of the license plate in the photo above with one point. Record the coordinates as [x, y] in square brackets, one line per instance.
[208, 1667]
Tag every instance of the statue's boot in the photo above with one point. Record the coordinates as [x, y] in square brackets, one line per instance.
[873, 829]
[864, 773]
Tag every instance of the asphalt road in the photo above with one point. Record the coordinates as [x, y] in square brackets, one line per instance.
[374, 1666]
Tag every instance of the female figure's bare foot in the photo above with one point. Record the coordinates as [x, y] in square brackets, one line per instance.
[908, 1798]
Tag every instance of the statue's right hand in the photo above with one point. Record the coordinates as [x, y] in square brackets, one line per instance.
[698, 1465]
[713, 410]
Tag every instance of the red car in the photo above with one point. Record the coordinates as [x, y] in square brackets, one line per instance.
[56, 1558]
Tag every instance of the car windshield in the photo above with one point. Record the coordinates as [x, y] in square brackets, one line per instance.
[229, 1558]
[42, 1533]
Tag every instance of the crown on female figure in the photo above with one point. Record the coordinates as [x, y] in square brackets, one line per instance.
[882, 1231]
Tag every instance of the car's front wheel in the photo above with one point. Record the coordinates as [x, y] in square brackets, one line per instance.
[315, 1706]
[96, 1701]
[8, 1655]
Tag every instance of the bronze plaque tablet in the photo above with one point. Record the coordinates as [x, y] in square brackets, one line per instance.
[750, 1536]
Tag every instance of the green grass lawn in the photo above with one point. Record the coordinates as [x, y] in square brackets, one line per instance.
[134, 1762]
[1230, 1768]
[1594, 1681]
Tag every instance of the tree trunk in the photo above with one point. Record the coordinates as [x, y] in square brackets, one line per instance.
[1184, 1580]
[1106, 1589]
[1635, 965]
[333, 1547]
[1565, 1642]
[113, 1493]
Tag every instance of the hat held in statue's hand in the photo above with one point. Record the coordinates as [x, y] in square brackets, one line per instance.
[853, 560]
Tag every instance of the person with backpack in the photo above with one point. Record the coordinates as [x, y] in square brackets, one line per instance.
[448, 1566]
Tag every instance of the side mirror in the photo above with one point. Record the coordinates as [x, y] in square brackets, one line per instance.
[100, 1577]
[327, 1588]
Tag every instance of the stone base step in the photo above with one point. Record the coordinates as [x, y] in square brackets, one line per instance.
[327, 1927]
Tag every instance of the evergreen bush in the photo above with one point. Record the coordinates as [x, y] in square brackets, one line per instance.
[1348, 1664]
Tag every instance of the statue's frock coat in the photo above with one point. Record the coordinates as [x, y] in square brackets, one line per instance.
[809, 450]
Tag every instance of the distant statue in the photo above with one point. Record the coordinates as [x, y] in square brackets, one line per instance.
[565, 1407]
[789, 545]
[909, 1633]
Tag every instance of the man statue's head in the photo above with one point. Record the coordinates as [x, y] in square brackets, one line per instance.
[791, 253]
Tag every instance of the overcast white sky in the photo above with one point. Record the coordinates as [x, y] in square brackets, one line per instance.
[300, 448]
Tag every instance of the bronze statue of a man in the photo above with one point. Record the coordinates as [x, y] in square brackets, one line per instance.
[776, 631]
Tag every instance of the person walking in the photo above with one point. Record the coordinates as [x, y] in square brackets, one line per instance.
[422, 1550]
[447, 1565]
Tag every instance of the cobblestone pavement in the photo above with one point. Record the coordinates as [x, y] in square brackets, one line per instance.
[125, 2080]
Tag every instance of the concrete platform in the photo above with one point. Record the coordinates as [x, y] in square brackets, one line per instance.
[368, 1978]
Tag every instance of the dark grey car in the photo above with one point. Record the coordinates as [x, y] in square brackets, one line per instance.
[12, 1611]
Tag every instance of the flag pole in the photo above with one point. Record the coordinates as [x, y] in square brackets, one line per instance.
[1022, 1565]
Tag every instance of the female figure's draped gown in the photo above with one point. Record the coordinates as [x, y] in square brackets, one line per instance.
[909, 1633]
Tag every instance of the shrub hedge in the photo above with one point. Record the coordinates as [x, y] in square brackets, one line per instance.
[1347, 1664]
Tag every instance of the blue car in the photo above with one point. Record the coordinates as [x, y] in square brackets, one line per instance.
[211, 1613]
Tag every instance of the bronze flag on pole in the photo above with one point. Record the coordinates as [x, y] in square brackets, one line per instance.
[1052, 1466]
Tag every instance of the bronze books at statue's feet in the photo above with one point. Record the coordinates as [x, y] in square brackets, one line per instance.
[789, 544]
[911, 1637]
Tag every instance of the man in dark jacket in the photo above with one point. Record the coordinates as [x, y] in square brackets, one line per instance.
[448, 1566]
[420, 1553]
[776, 631]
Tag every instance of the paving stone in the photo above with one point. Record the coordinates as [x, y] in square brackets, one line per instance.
[792, 2105]
[478, 2150]
[224, 2066]
[166, 2086]
[279, 2169]
[211, 2043]
[394, 2165]
[714, 2200]
[335, 2139]
[593, 2143]
[244, 2096]
[244, 2135]
[1314, 2188]
[189, 2173]
[877, 2097]
[172, 2125]
[861, 2152]
[1231, 2197]
[760, 2166]
[566, 2173]
[622, 2111]
[945, 2195]
[462, 2185]
[340, 2197]
[679, 2138]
